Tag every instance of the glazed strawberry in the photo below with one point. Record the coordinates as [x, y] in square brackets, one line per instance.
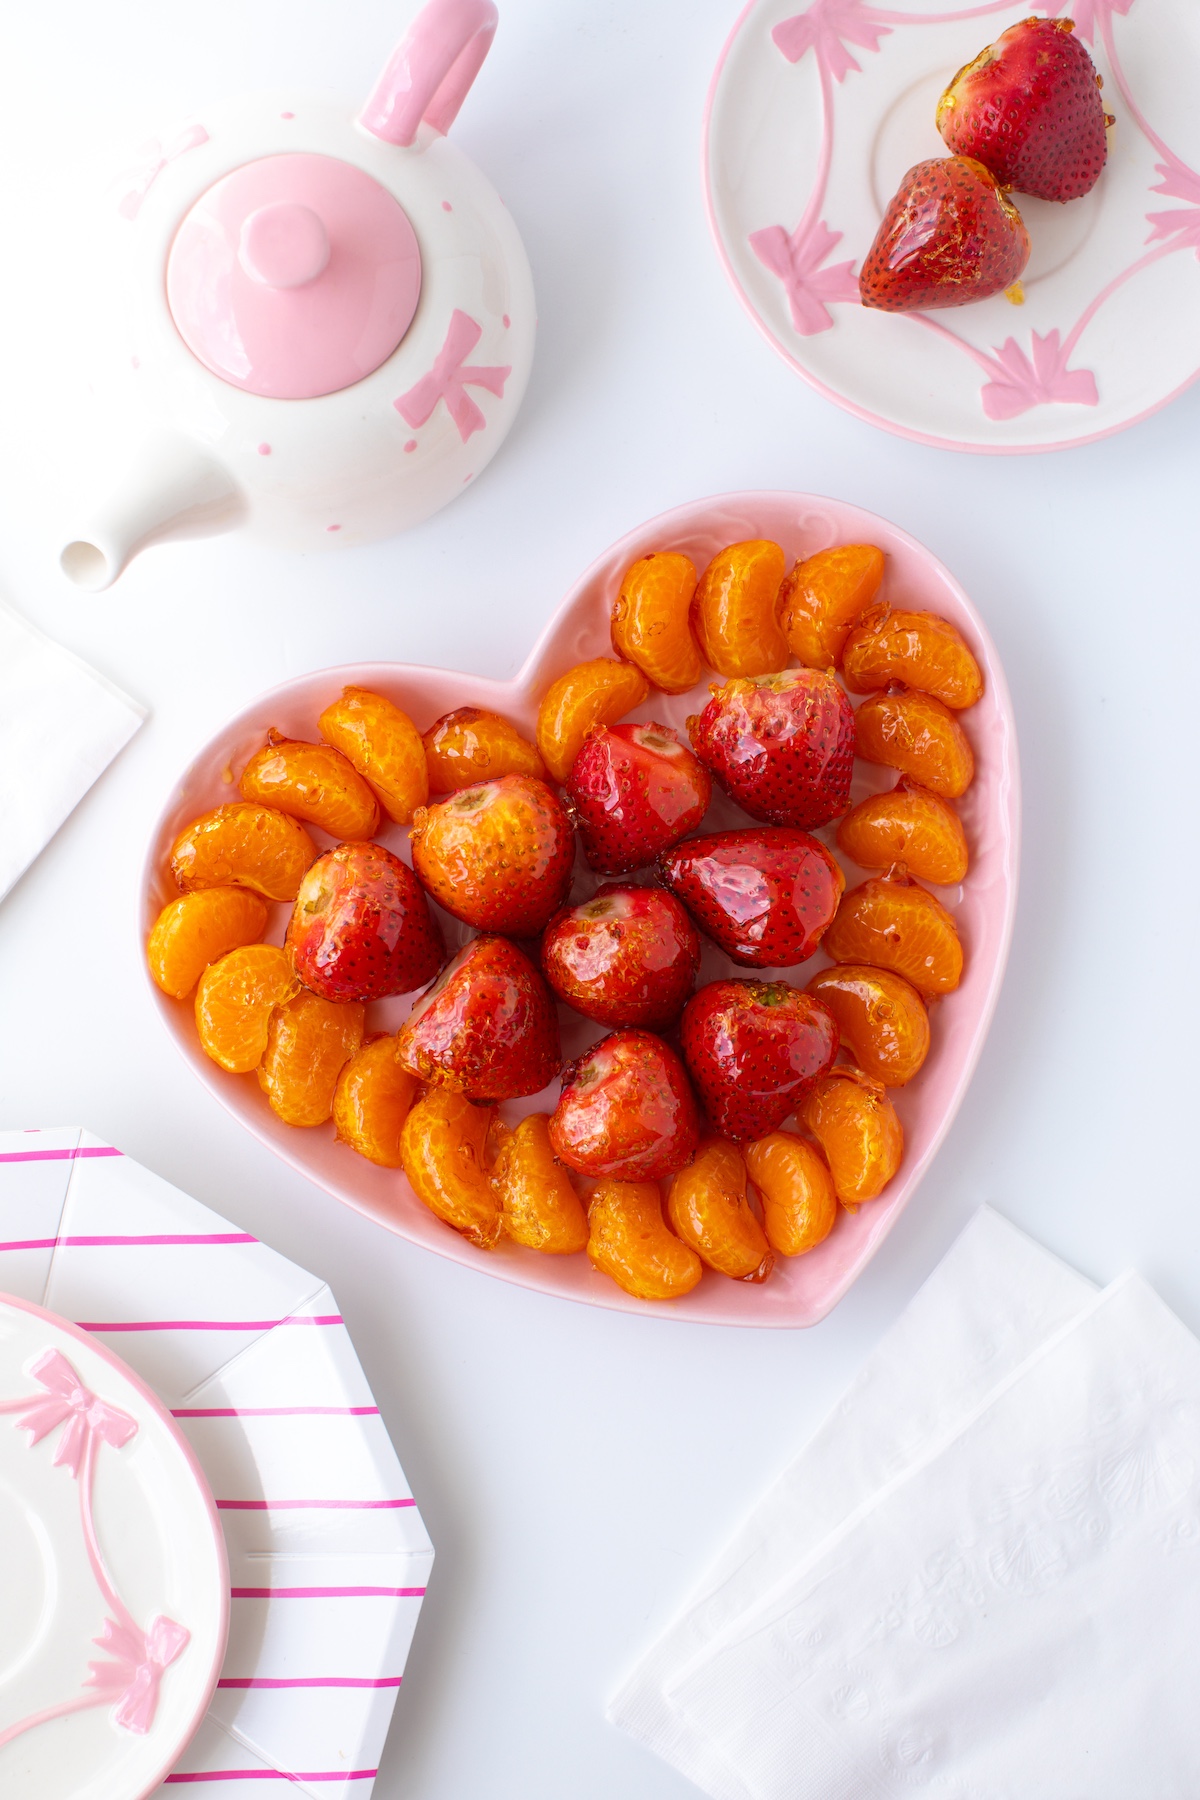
[765, 895]
[751, 1047]
[498, 856]
[361, 926]
[628, 956]
[782, 745]
[626, 1110]
[634, 790]
[1029, 109]
[487, 1028]
[949, 236]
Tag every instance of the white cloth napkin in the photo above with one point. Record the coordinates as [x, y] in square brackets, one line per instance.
[61, 724]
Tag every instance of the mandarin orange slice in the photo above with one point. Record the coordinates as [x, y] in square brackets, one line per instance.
[893, 923]
[443, 1145]
[196, 929]
[823, 596]
[538, 1202]
[707, 1206]
[309, 1043]
[384, 747]
[734, 611]
[918, 735]
[912, 825]
[631, 1242]
[371, 1102]
[234, 1003]
[471, 745]
[598, 692]
[313, 782]
[799, 1204]
[881, 1019]
[650, 620]
[243, 845]
[917, 648]
[856, 1126]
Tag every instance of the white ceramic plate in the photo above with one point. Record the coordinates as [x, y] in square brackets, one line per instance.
[815, 115]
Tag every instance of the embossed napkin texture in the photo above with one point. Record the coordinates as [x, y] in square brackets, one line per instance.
[61, 724]
[993, 1299]
[1012, 1619]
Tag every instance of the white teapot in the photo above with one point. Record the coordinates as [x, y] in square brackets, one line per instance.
[333, 315]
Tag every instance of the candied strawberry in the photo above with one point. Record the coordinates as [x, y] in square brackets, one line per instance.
[750, 1048]
[1029, 109]
[949, 236]
[782, 745]
[626, 1110]
[498, 856]
[361, 926]
[634, 790]
[487, 1028]
[627, 956]
[764, 895]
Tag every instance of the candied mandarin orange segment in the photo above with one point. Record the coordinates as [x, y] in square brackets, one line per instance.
[538, 1202]
[193, 931]
[309, 1043]
[384, 747]
[881, 1019]
[856, 1126]
[651, 623]
[799, 1204]
[598, 692]
[917, 648]
[707, 1206]
[734, 612]
[443, 1150]
[822, 598]
[234, 1003]
[892, 923]
[371, 1102]
[912, 825]
[313, 782]
[918, 735]
[630, 1241]
[471, 745]
[243, 845]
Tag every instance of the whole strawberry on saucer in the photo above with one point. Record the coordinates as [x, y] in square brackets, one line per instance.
[634, 790]
[950, 235]
[626, 1110]
[781, 745]
[1029, 108]
[765, 895]
[361, 927]
[487, 1027]
[751, 1047]
[498, 856]
[628, 956]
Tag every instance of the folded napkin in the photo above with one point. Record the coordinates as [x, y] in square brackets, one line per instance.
[61, 724]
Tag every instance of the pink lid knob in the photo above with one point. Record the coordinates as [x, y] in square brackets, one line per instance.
[284, 245]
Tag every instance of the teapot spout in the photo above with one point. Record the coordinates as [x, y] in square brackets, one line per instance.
[173, 488]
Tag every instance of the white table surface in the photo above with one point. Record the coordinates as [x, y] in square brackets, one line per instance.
[576, 1467]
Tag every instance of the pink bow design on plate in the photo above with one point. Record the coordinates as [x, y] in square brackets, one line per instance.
[67, 1402]
[449, 379]
[142, 1657]
[156, 156]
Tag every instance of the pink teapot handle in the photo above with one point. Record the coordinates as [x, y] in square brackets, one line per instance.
[429, 74]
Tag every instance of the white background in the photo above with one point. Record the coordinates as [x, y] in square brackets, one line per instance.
[576, 1467]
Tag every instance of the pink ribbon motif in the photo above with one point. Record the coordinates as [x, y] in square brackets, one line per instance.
[67, 1402]
[138, 181]
[449, 379]
[142, 1657]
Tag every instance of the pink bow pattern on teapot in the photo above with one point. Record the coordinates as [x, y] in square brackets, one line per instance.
[449, 379]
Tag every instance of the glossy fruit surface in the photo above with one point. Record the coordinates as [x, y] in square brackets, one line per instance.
[734, 611]
[912, 825]
[823, 596]
[498, 856]
[707, 1206]
[371, 1102]
[361, 927]
[918, 735]
[949, 236]
[487, 1027]
[312, 782]
[598, 692]
[750, 1048]
[443, 1151]
[635, 790]
[470, 745]
[880, 1016]
[198, 929]
[309, 1043]
[796, 1189]
[243, 845]
[384, 746]
[630, 1241]
[1029, 107]
[651, 623]
[538, 1203]
[626, 957]
[627, 1110]
[764, 895]
[234, 1003]
[893, 923]
[917, 648]
[856, 1126]
[782, 746]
